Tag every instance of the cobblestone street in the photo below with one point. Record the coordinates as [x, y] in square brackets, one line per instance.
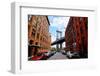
[57, 55]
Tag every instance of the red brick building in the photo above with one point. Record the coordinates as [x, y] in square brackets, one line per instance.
[76, 35]
[39, 38]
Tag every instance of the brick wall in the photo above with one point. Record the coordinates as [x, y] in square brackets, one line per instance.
[76, 35]
[38, 33]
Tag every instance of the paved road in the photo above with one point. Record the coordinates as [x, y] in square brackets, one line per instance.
[58, 55]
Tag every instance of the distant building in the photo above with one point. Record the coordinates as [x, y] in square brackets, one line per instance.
[39, 39]
[76, 35]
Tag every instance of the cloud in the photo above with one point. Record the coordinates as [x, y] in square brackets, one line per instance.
[53, 38]
[59, 21]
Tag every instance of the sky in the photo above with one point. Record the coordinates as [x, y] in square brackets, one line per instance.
[57, 23]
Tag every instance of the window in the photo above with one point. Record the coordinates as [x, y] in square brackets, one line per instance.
[37, 35]
[36, 43]
[33, 33]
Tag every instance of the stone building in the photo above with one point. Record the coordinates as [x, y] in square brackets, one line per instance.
[39, 39]
[76, 35]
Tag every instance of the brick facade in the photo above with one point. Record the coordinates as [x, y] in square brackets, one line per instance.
[38, 34]
[76, 35]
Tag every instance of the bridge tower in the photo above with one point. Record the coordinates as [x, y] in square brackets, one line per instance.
[59, 36]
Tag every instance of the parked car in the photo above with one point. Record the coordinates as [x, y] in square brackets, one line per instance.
[72, 54]
[47, 53]
[38, 57]
[53, 52]
[45, 57]
[63, 52]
